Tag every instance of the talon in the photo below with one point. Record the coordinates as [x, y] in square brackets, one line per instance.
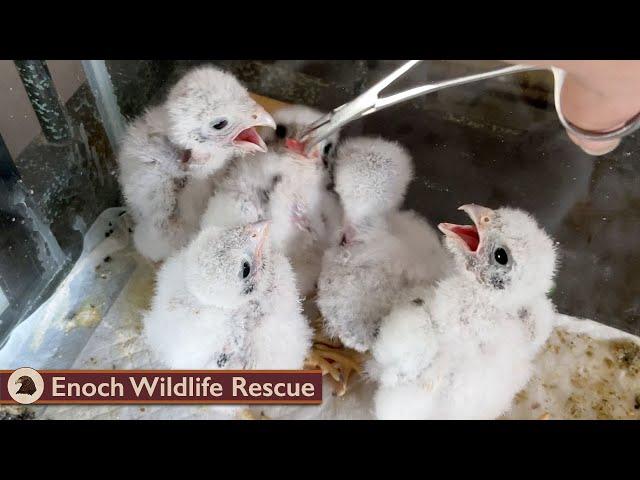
[333, 359]
[248, 414]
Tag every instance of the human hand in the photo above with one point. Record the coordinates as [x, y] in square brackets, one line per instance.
[598, 95]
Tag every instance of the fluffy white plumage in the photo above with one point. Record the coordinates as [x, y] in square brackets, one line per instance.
[371, 177]
[228, 301]
[381, 251]
[287, 188]
[463, 349]
[168, 156]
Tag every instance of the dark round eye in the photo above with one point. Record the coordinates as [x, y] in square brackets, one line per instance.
[501, 256]
[246, 269]
[219, 125]
[327, 148]
[281, 131]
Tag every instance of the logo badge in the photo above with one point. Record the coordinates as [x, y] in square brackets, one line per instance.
[25, 385]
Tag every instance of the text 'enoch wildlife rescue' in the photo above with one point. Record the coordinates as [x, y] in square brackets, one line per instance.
[27, 386]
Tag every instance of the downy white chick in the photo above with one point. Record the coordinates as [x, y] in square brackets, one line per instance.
[169, 155]
[290, 189]
[463, 349]
[381, 251]
[228, 301]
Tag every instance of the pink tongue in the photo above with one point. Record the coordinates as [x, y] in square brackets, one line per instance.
[469, 235]
[295, 145]
[471, 241]
[249, 135]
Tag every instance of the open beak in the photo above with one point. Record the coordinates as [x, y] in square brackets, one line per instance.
[295, 146]
[249, 139]
[300, 148]
[469, 236]
[259, 233]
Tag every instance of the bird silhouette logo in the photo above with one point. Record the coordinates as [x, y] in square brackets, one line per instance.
[25, 385]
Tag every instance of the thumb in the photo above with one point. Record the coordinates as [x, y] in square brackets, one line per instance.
[597, 95]
[595, 147]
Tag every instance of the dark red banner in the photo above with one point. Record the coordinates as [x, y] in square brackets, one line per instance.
[28, 386]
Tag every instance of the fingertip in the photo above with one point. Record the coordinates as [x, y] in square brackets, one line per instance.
[595, 147]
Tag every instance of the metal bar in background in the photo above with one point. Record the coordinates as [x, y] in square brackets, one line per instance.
[4, 303]
[30, 256]
[8, 170]
[101, 86]
[44, 99]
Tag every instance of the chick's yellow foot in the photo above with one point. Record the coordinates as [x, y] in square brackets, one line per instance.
[248, 414]
[336, 361]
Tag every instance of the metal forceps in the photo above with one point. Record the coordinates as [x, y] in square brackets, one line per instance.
[370, 102]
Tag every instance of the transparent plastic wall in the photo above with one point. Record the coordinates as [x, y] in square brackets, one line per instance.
[57, 173]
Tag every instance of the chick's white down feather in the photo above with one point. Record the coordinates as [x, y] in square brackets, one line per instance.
[287, 188]
[371, 177]
[205, 315]
[169, 155]
[381, 251]
[464, 348]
